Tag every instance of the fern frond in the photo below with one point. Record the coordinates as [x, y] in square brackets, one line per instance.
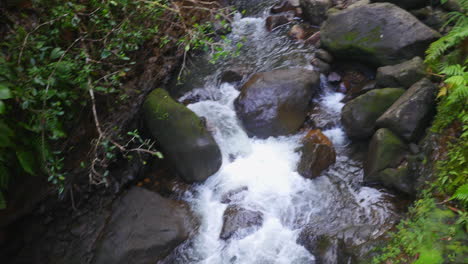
[456, 81]
[442, 45]
[461, 194]
[452, 70]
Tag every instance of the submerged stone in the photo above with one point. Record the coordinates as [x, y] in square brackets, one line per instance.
[239, 222]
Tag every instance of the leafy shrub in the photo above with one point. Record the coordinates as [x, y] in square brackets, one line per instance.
[53, 65]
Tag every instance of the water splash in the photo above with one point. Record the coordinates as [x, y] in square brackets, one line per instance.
[261, 175]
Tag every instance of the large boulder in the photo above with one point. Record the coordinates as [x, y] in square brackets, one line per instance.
[317, 154]
[401, 75]
[359, 115]
[275, 103]
[144, 228]
[380, 34]
[407, 4]
[315, 11]
[182, 136]
[412, 112]
[386, 161]
[239, 222]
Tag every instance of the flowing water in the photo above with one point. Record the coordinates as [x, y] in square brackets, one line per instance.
[260, 174]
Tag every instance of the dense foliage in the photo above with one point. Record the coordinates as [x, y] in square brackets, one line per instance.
[435, 231]
[58, 56]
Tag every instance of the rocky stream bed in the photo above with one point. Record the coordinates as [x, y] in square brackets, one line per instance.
[299, 150]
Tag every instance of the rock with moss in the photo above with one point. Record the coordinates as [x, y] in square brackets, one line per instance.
[401, 75]
[275, 103]
[386, 162]
[380, 34]
[411, 113]
[359, 115]
[181, 134]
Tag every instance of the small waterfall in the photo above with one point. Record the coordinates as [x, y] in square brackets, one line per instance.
[261, 174]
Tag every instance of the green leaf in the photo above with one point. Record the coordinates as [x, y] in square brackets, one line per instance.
[56, 53]
[3, 204]
[27, 161]
[105, 54]
[2, 107]
[5, 92]
[159, 155]
[6, 135]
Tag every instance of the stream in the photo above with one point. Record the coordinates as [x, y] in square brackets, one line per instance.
[261, 174]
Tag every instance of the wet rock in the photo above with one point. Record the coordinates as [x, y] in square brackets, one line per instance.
[380, 34]
[315, 11]
[319, 246]
[401, 75]
[234, 195]
[386, 150]
[317, 154]
[275, 103]
[321, 66]
[324, 55]
[182, 137]
[400, 179]
[412, 112]
[333, 77]
[385, 162]
[275, 21]
[230, 76]
[287, 6]
[239, 222]
[144, 227]
[355, 81]
[314, 39]
[356, 91]
[300, 32]
[406, 4]
[359, 115]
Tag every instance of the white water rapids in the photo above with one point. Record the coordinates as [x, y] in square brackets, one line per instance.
[335, 205]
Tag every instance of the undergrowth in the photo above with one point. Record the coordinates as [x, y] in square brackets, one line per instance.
[58, 56]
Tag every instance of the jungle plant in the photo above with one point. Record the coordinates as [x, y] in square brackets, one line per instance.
[54, 67]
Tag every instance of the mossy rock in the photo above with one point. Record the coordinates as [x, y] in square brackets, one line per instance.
[360, 114]
[386, 161]
[181, 134]
[380, 34]
[411, 114]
